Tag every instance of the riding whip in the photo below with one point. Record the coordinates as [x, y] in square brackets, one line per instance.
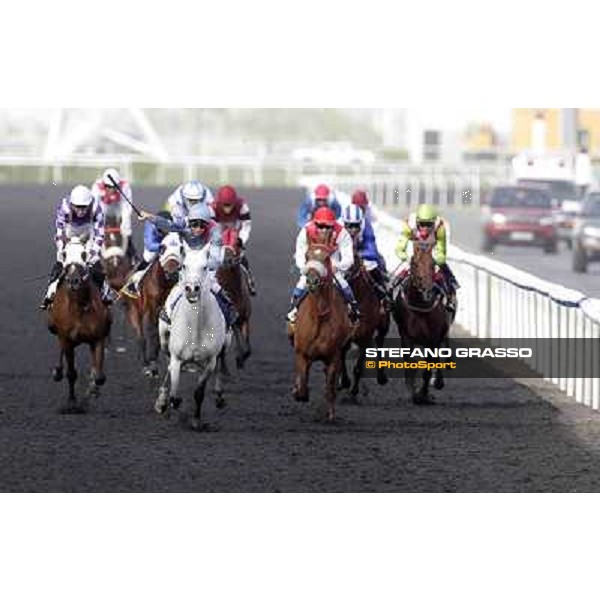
[118, 187]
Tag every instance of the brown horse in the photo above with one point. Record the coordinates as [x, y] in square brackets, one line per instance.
[234, 281]
[143, 312]
[78, 316]
[422, 318]
[374, 325]
[117, 262]
[323, 328]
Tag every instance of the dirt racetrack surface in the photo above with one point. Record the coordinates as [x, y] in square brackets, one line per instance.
[483, 436]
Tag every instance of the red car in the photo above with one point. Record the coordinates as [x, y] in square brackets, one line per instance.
[520, 216]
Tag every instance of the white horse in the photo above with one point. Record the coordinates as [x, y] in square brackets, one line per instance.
[197, 336]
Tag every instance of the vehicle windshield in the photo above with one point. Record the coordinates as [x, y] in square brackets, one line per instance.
[560, 190]
[591, 208]
[520, 198]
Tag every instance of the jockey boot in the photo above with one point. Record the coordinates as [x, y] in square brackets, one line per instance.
[297, 299]
[250, 276]
[164, 317]
[51, 291]
[226, 305]
[353, 309]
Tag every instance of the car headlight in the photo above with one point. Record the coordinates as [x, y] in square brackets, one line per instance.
[591, 232]
[498, 219]
[547, 221]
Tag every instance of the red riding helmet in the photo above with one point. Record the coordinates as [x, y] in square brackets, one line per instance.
[322, 193]
[325, 216]
[361, 199]
[228, 195]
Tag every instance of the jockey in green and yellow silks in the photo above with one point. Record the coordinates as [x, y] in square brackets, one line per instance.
[427, 226]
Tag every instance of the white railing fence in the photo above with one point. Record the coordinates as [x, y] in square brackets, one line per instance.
[497, 301]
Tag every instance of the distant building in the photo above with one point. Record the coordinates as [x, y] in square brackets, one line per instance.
[556, 129]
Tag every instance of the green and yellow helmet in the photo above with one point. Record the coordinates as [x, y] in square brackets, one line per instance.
[426, 216]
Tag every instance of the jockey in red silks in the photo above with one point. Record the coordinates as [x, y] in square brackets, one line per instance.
[114, 207]
[233, 213]
[324, 229]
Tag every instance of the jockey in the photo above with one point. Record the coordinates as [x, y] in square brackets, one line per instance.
[231, 211]
[184, 198]
[427, 225]
[153, 238]
[363, 235]
[115, 207]
[324, 229]
[79, 215]
[361, 199]
[200, 233]
[322, 197]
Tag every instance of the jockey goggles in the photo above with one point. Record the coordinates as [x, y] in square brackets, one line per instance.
[324, 226]
[198, 224]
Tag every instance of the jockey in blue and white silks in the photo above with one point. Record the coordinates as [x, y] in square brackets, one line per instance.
[185, 197]
[322, 197]
[365, 244]
[200, 233]
[79, 215]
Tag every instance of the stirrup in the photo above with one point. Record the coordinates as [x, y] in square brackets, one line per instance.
[45, 305]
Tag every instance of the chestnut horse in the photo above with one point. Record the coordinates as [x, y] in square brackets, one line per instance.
[234, 281]
[155, 287]
[117, 263]
[78, 316]
[323, 328]
[373, 327]
[422, 318]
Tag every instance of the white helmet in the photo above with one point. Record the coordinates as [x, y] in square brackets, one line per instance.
[81, 197]
[109, 176]
[353, 215]
[193, 192]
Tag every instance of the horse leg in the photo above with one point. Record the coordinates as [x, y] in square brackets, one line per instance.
[175, 401]
[358, 373]
[302, 370]
[58, 373]
[345, 383]
[221, 374]
[382, 378]
[333, 370]
[71, 406]
[246, 338]
[162, 404]
[424, 398]
[135, 318]
[199, 400]
[439, 382]
[151, 339]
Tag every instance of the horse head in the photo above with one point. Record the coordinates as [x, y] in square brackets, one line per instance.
[171, 256]
[318, 266]
[193, 274]
[422, 270]
[74, 260]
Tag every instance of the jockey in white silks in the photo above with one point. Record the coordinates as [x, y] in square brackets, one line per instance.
[200, 233]
[185, 197]
[79, 216]
[115, 207]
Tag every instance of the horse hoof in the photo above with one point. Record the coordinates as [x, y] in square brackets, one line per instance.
[72, 409]
[58, 375]
[439, 385]
[240, 362]
[424, 401]
[344, 385]
[221, 404]
[100, 380]
[176, 403]
[161, 408]
[382, 379]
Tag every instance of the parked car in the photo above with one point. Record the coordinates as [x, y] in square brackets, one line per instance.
[586, 234]
[520, 216]
[567, 204]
